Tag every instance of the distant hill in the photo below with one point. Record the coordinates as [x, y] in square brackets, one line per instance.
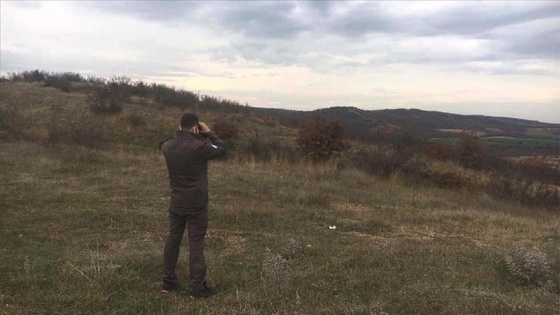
[364, 124]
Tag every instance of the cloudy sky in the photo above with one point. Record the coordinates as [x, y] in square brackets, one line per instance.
[491, 58]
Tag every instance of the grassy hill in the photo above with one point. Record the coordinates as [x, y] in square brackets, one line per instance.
[83, 226]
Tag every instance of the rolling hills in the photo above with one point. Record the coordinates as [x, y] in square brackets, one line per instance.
[83, 222]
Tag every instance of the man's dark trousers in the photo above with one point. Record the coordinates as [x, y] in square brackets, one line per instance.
[196, 221]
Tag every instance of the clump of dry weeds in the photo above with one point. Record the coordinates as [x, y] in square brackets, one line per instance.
[530, 266]
[277, 272]
[292, 249]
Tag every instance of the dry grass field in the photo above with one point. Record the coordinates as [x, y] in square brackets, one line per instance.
[83, 228]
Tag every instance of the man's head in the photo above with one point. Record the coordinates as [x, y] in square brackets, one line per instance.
[188, 122]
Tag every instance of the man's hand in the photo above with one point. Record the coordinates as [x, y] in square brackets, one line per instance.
[203, 128]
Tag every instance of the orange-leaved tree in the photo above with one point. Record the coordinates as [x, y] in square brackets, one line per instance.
[225, 128]
[469, 151]
[319, 139]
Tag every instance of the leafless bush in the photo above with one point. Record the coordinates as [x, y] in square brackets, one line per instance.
[420, 172]
[28, 76]
[95, 80]
[530, 266]
[523, 190]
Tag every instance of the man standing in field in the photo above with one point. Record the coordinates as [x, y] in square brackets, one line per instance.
[186, 157]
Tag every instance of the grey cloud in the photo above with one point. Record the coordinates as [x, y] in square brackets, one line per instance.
[20, 61]
[262, 19]
[263, 52]
[545, 45]
[476, 18]
[168, 11]
[251, 18]
[27, 4]
[267, 22]
[309, 33]
[355, 24]
[363, 20]
[322, 7]
[467, 19]
[276, 19]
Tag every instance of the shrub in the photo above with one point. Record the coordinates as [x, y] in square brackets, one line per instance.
[269, 120]
[468, 150]
[226, 129]
[539, 169]
[121, 87]
[223, 105]
[529, 266]
[523, 190]
[171, 97]
[61, 82]
[383, 162]
[28, 76]
[103, 100]
[318, 139]
[439, 150]
[140, 89]
[265, 149]
[291, 249]
[95, 80]
[448, 179]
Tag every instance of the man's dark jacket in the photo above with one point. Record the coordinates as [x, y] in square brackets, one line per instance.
[186, 156]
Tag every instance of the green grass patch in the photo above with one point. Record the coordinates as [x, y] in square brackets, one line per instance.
[507, 142]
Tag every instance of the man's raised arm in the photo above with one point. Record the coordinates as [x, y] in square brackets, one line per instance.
[215, 150]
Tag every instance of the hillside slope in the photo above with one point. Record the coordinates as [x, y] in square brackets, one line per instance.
[83, 226]
[83, 231]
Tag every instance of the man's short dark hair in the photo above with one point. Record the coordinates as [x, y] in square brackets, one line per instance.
[188, 121]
